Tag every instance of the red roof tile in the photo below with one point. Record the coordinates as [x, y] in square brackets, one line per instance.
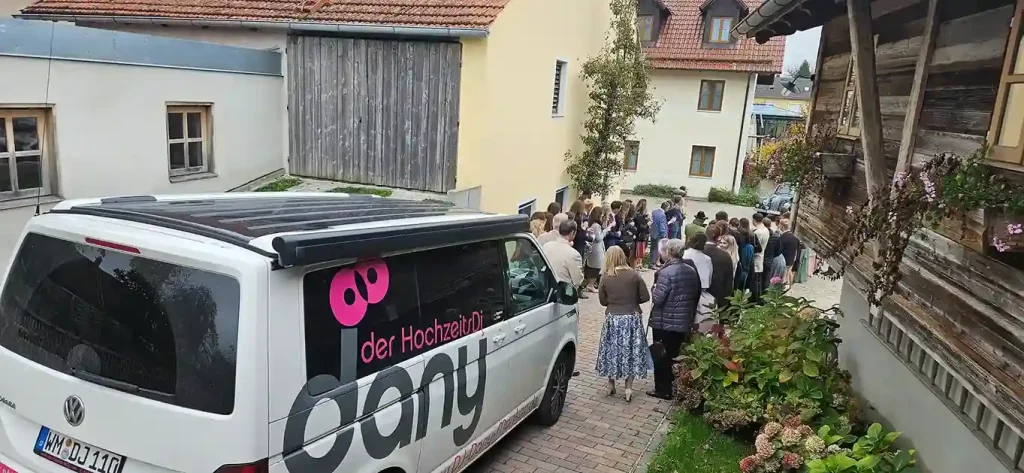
[437, 13]
[680, 45]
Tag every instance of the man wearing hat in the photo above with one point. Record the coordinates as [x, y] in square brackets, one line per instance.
[695, 227]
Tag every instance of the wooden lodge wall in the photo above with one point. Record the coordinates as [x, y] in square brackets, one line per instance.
[967, 307]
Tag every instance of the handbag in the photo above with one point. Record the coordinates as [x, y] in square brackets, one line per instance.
[657, 348]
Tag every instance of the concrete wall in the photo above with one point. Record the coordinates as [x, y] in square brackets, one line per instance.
[666, 144]
[108, 127]
[509, 142]
[901, 401]
[10, 7]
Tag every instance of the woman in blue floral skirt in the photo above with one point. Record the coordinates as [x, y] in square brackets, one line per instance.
[623, 353]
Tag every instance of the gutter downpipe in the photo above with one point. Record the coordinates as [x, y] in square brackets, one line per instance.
[289, 26]
[739, 142]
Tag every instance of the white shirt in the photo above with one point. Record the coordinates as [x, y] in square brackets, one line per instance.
[548, 237]
[762, 234]
[703, 264]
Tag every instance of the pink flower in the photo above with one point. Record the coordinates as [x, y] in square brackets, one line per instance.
[749, 464]
[763, 445]
[849, 210]
[772, 429]
[1000, 245]
[791, 461]
[805, 430]
[776, 280]
[1014, 228]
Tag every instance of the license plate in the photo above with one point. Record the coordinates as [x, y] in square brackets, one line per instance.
[75, 455]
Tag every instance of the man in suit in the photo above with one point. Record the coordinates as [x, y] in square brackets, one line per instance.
[722, 274]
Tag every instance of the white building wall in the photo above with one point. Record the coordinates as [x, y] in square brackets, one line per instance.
[262, 39]
[666, 144]
[109, 128]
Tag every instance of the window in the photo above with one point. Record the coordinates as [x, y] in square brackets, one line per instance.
[702, 161]
[528, 276]
[719, 30]
[188, 139]
[562, 197]
[1008, 120]
[24, 170]
[632, 155]
[168, 329]
[849, 116]
[645, 27]
[435, 297]
[526, 208]
[711, 92]
[558, 98]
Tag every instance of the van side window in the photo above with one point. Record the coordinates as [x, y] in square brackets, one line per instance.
[528, 275]
[354, 326]
[372, 315]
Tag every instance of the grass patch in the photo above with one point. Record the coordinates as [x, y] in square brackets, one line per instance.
[362, 190]
[694, 446]
[280, 185]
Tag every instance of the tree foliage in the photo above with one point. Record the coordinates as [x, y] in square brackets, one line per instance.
[803, 70]
[618, 82]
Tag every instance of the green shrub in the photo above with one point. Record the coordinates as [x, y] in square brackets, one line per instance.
[280, 185]
[362, 190]
[746, 198]
[778, 362]
[656, 190]
[691, 445]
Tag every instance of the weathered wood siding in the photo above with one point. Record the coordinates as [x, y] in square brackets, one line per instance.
[969, 308]
[370, 111]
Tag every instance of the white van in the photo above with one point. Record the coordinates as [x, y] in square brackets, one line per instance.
[280, 332]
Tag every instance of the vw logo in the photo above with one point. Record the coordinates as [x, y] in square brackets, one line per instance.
[74, 411]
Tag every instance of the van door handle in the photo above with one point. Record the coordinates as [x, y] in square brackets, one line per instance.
[499, 338]
[519, 328]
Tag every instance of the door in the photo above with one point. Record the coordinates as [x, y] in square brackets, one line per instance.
[531, 313]
[462, 290]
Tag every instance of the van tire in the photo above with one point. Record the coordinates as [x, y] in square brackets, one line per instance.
[557, 388]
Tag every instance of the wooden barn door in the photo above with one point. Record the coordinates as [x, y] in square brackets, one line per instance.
[371, 111]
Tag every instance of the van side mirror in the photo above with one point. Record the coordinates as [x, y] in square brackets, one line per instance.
[568, 294]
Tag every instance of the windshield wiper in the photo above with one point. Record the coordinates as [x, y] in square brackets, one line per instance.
[120, 385]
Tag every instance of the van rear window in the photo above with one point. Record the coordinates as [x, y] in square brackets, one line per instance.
[161, 330]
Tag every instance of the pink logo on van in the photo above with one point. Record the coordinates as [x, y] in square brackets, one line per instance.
[7, 469]
[349, 307]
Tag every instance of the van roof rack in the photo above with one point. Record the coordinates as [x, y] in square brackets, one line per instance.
[240, 220]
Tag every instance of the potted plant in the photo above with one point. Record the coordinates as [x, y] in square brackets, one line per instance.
[837, 165]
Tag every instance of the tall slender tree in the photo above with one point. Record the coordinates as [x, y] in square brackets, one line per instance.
[618, 82]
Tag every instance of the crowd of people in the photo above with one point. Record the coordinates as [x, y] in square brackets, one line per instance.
[698, 265]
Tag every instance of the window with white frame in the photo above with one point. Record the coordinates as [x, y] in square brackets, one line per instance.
[24, 168]
[562, 198]
[718, 30]
[526, 208]
[558, 98]
[645, 27]
[188, 139]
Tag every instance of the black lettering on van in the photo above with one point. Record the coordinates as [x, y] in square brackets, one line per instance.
[377, 445]
[346, 397]
[437, 365]
[467, 403]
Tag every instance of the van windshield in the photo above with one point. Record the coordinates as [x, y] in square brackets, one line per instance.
[152, 328]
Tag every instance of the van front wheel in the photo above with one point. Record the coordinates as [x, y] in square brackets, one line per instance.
[557, 388]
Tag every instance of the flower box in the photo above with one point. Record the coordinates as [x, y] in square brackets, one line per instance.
[837, 165]
[1005, 231]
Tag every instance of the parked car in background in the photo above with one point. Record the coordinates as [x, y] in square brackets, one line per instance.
[779, 202]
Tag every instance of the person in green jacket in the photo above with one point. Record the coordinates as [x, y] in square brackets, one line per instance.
[696, 226]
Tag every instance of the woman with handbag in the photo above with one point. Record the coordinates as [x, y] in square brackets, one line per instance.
[623, 351]
[677, 290]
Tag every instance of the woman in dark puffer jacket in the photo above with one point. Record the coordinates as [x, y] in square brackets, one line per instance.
[674, 300]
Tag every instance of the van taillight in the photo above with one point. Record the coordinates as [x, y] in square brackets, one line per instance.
[255, 467]
[112, 245]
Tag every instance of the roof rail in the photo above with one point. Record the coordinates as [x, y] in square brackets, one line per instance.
[311, 248]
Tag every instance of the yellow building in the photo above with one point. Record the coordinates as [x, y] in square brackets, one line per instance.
[480, 99]
[785, 93]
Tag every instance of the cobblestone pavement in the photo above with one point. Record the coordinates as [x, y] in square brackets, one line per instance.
[596, 433]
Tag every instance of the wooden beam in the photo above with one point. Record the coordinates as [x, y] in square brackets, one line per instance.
[862, 42]
[808, 127]
[916, 101]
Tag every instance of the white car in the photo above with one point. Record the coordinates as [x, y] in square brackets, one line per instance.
[275, 332]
